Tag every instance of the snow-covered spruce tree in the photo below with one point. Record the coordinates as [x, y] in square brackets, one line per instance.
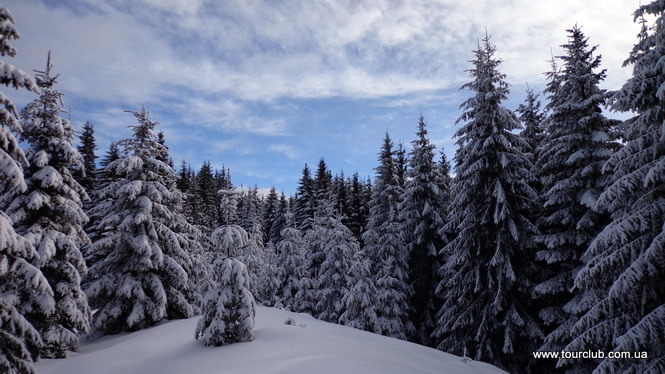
[229, 308]
[141, 273]
[322, 187]
[304, 204]
[252, 255]
[23, 288]
[49, 215]
[279, 220]
[86, 173]
[248, 214]
[385, 249]
[579, 141]
[360, 302]
[533, 121]
[626, 260]
[486, 313]
[268, 282]
[269, 211]
[422, 213]
[206, 200]
[99, 205]
[290, 264]
[358, 208]
[314, 256]
[339, 247]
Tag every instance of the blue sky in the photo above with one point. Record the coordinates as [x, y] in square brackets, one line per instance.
[264, 87]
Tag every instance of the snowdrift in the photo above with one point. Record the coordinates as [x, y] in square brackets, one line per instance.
[309, 346]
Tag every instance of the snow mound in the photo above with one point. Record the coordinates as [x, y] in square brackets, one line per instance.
[320, 348]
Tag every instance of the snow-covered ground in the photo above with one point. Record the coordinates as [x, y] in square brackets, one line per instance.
[311, 346]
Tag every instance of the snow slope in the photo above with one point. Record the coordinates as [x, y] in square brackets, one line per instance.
[311, 346]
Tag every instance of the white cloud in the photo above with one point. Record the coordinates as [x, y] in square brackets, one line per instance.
[258, 50]
[287, 150]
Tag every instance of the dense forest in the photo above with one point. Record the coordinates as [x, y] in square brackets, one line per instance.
[549, 236]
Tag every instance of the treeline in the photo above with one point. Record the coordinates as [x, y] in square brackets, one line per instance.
[548, 237]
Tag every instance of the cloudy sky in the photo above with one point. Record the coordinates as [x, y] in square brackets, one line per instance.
[264, 87]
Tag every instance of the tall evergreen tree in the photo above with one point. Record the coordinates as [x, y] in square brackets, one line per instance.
[357, 208]
[423, 217]
[206, 199]
[86, 174]
[626, 261]
[290, 263]
[270, 211]
[49, 215]
[304, 203]
[322, 185]
[579, 141]
[385, 249]
[486, 312]
[339, 247]
[532, 120]
[401, 165]
[23, 288]
[141, 276]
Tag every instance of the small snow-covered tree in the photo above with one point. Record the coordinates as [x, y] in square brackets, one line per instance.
[50, 216]
[486, 312]
[626, 260]
[228, 308]
[23, 288]
[141, 273]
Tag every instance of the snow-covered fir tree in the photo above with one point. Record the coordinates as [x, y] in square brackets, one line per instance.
[486, 312]
[268, 211]
[322, 187]
[339, 247]
[228, 308]
[579, 141]
[248, 214]
[206, 200]
[314, 256]
[252, 255]
[304, 203]
[290, 264]
[360, 302]
[23, 288]
[141, 275]
[50, 216]
[268, 285]
[86, 174]
[423, 216]
[625, 262]
[358, 208]
[385, 249]
[99, 205]
[533, 124]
